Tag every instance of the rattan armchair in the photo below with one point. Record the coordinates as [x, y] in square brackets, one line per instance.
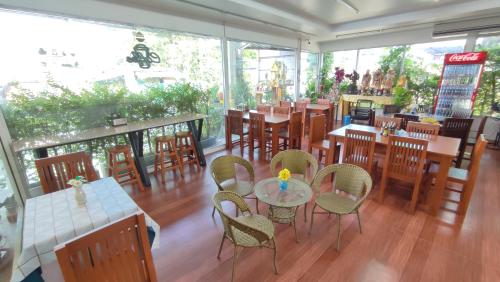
[353, 181]
[223, 171]
[248, 230]
[298, 163]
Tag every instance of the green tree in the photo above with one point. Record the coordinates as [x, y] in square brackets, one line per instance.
[489, 90]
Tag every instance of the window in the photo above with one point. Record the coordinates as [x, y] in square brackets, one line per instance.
[260, 73]
[65, 75]
[369, 60]
[345, 60]
[308, 73]
[488, 96]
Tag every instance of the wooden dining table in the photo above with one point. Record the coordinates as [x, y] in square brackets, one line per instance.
[441, 150]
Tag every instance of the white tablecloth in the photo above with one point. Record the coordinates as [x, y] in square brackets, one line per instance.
[55, 218]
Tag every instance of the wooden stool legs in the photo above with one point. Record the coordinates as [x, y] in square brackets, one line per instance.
[122, 167]
[166, 157]
[187, 150]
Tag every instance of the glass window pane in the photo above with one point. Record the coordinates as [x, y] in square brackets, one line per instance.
[488, 95]
[308, 73]
[260, 73]
[345, 60]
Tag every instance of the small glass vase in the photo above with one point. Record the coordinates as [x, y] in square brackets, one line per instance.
[283, 185]
[80, 196]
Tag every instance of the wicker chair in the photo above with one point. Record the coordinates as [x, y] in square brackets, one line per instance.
[223, 171]
[380, 120]
[248, 230]
[298, 163]
[350, 179]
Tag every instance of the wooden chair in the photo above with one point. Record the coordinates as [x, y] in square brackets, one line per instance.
[466, 113]
[405, 118]
[261, 108]
[223, 172]
[293, 137]
[285, 104]
[323, 101]
[380, 120]
[458, 128]
[422, 130]
[245, 231]
[257, 132]
[167, 157]
[55, 172]
[467, 177]
[302, 165]
[118, 251]
[301, 106]
[359, 148]
[352, 181]
[122, 167]
[474, 136]
[317, 138]
[404, 161]
[281, 110]
[234, 126]
[187, 150]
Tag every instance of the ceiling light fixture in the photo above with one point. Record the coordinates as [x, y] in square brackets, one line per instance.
[349, 5]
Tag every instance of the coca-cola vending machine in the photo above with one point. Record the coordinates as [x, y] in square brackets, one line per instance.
[459, 82]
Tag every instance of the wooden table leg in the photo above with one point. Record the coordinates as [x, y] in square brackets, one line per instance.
[438, 192]
[275, 138]
[228, 134]
[331, 151]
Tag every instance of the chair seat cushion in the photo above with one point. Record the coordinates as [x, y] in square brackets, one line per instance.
[240, 187]
[255, 221]
[458, 174]
[335, 203]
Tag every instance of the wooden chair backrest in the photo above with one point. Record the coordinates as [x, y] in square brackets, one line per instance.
[405, 118]
[285, 104]
[405, 158]
[301, 106]
[480, 128]
[118, 251]
[261, 108]
[421, 129]
[317, 128]
[295, 130]
[55, 172]
[235, 121]
[359, 148]
[457, 128]
[479, 148]
[281, 110]
[462, 114]
[380, 120]
[256, 127]
[323, 101]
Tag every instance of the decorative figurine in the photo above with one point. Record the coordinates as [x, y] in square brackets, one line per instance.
[354, 77]
[402, 81]
[378, 76]
[365, 81]
[389, 78]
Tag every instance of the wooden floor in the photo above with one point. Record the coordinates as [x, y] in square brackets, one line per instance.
[394, 246]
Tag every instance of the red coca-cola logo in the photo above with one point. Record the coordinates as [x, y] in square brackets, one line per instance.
[464, 57]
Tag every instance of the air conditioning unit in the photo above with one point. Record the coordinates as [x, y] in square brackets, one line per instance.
[464, 27]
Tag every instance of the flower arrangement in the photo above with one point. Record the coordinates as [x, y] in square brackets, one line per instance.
[77, 182]
[283, 176]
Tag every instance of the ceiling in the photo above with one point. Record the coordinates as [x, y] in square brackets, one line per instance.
[320, 20]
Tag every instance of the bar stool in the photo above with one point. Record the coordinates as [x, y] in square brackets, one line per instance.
[122, 167]
[187, 151]
[166, 157]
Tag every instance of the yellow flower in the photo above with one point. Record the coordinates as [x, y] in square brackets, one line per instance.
[284, 174]
[430, 120]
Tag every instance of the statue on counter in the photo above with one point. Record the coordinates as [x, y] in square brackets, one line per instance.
[402, 81]
[339, 75]
[354, 77]
[389, 79]
[365, 81]
[378, 77]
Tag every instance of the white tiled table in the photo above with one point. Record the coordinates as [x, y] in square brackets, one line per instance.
[55, 218]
